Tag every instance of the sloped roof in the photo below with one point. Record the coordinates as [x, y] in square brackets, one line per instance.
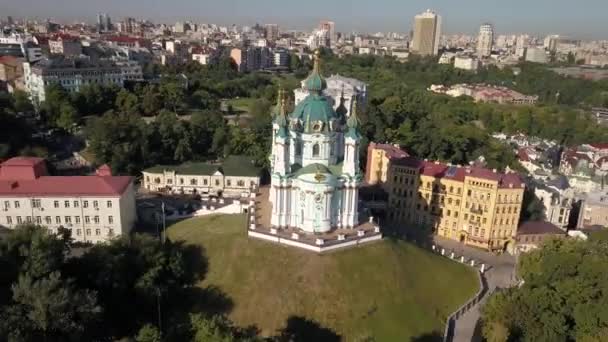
[66, 186]
[238, 166]
[538, 227]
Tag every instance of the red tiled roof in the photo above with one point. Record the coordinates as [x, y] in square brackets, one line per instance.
[23, 161]
[538, 227]
[523, 155]
[392, 151]
[600, 146]
[66, 186]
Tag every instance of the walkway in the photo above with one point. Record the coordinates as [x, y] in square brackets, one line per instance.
[500, 274]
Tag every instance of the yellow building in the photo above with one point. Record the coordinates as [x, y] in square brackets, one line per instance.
[476, 206]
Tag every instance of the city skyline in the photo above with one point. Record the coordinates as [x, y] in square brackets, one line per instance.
[566, 18]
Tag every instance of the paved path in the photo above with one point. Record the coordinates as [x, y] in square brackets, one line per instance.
[500, 274]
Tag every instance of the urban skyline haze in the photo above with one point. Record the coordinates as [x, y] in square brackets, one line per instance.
[583, 21]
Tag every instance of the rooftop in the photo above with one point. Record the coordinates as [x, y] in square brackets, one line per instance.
[538, 227]
[232, 166]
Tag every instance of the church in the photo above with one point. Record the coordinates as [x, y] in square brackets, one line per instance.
[314, 162]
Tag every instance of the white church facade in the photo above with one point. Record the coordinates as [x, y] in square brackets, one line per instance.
[315, 172]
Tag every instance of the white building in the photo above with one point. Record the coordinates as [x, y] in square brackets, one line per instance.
[94, 208]
[521, 44]
[236, 177]
[280, 58]
[314, 164]
[485, 39]
[339, 90]
[536, 55]
[71, 74]
[319, 38]
[427, 32]
[466, 63]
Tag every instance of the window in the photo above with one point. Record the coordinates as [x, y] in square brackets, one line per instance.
[78, 232]
[47, 220]
[469, 193]
[217, 182]
[77, 219]
[96, 219]
[193, 181]
[109, 204]
[110, 219]
[228, 182]
[19, 220]
[181, 181]
[110, 232]
[85, 204]
[95, 204]
[241, 183]
[56, 204]
[299, 148]
[169, 181]
[58, 219]
[75, 204]
[7, 204]
[315, 150]
[66, 204]
[97, 232]
[88, 232]
[9, 220]
[87, 219]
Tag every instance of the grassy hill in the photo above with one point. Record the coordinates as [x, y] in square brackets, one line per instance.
[393, 291]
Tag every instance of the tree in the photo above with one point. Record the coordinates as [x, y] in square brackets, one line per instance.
[563, 296]
[22, 102]
[49, 307]
[68, 117]
[55, 96]
[127, 102]
[148, 333]
[150, 102]
[173, 96]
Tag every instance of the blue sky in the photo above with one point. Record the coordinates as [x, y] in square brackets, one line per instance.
[579, 19]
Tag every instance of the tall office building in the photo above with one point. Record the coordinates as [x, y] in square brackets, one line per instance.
[271, 32]
[485, 40]
[427, 31]
[330, 27]
[104, 23]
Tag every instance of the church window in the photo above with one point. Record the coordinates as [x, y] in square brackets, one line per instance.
[315, 150]
[299, 148]
[331, 149]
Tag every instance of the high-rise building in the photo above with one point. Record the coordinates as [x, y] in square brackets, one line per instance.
[485, 40]
[427, 31]
[330, 27]
[104, 22]
[521, 45]
[9, 21]
[271, 32]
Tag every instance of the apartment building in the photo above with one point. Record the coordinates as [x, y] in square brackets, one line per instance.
[71, 74]
[476, 206]
[94, 208]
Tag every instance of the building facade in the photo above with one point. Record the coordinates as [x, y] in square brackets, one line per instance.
[531, 235]
[71, 74]
[427, 31]
[485, 40]
[314, 164]
[236, 177]
[94, 208]
[476, 206]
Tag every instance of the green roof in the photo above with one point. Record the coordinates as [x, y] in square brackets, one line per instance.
[314, 108]
[242, 166]
[335, 170]
[239, 166]
[315, 83]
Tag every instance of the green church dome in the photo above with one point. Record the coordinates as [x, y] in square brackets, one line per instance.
[315, 113]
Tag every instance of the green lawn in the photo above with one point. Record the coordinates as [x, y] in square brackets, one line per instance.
[241, 104]
[393, 291]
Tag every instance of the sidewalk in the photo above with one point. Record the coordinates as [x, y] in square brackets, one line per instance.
[500, 274]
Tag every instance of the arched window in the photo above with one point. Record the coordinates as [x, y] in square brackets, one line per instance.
[315, 150]
[331, 149]
[298, 148]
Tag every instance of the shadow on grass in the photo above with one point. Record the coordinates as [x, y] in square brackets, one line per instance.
[430, 337]
[301, 329]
